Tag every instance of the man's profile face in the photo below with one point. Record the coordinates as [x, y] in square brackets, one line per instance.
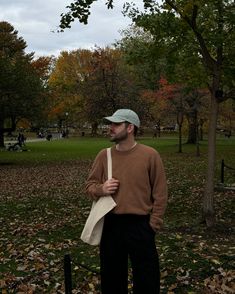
[118, 132]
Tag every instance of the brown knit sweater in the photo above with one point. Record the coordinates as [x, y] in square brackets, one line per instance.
[142, 188]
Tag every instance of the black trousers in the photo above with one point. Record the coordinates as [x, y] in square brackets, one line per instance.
[128, 236]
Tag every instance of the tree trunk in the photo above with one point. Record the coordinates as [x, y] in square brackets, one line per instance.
[208, 200]
[197, 141]
[1, 133]
[180, 138]
[180, 118]
[94, 127]
[201, 122]
[192, 131]
[6, 130]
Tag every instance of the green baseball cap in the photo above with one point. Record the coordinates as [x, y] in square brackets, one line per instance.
[122, 115]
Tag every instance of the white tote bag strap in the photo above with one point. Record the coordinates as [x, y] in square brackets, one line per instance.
[92, 231]
[109, 160]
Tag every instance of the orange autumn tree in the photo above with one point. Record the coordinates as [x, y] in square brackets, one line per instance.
[157, 104]
[164, 102]
[185, 101]
[43, 65]
[70, 71]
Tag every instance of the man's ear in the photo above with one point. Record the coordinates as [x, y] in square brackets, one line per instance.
[130, 128]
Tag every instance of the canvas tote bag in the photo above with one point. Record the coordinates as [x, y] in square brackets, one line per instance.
[92, 230]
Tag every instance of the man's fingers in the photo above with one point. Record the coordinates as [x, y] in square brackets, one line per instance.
[111, 186]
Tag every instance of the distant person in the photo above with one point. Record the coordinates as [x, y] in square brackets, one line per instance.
[21, 139]
[63, 134]
[228, 134]
[67, 133]
[49, 136]
[139, 189]
[40, 135]
[157, 130]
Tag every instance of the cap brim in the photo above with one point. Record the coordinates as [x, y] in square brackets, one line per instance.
[114, 119]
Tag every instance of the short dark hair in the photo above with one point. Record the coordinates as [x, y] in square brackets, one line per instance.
[135, 127]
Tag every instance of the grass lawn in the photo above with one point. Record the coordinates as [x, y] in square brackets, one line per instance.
[43, 208]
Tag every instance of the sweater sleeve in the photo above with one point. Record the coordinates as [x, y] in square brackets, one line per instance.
[96, 176]
[159, 192]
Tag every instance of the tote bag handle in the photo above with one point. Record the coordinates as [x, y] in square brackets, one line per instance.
[109, 160]
[93, 228]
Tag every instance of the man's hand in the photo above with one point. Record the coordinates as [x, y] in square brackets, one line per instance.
[110, 186]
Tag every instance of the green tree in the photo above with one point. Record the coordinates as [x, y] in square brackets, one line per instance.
[154, 56]
[147, 60]
[21, 90]
[210, 25]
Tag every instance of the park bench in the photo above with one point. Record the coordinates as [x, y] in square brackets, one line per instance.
[16, 147]
[13, 147]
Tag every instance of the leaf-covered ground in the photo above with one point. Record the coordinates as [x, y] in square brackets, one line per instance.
[43, 209]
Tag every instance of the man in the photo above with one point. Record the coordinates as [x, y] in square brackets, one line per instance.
[139, 189]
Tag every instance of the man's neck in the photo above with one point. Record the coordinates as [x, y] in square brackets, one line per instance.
[126, 145]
